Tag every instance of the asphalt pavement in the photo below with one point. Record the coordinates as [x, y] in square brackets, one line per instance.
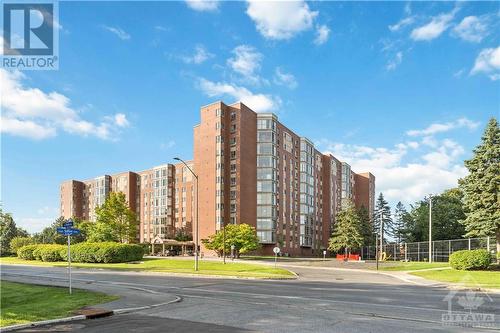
[318, 301]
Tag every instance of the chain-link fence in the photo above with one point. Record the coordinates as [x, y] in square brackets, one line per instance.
[419, 251]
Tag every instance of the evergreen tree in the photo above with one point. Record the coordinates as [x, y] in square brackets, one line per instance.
[115, 219]
[367, 230]
[346, 231]
[401, 219]
[382, 208]
[481, 187]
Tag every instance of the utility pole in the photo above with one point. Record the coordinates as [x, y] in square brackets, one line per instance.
[196, 242]
[430, 227]
[378, 243]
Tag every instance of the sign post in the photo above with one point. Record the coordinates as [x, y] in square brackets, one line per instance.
[69, 263]
[68, 231]
[232, 252]
[324, 255]
[276, 250]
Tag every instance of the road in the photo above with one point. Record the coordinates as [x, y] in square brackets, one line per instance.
[319, 301]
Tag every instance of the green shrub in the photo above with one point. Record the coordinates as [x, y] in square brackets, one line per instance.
[26, 252]
[107, 252]
[48, 252]
[17, 242]
[470, 260]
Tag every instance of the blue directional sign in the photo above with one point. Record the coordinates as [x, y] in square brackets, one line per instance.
[68, 223]
[61, 230]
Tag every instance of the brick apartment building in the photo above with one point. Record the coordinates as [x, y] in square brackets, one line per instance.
[252, 169]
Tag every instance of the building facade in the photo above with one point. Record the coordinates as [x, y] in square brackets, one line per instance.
[251, 169]
[152, 195]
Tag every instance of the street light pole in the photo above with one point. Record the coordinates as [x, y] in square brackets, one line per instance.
[378, 244]
[196, 242]
[430, 227]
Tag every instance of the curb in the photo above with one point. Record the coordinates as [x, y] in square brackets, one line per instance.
[105, 313]
[188, 275]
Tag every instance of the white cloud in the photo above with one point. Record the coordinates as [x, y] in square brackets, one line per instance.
[120, 33]
[281, 19]
[284, 79]
[121, 120]
[168, 145]
[246, 62]
[488, 62]
[200, 56]
[444, 127]
[32, 113]
[34, 224]
[434, 28]
[322, 34]
[398, 177]
[472, 29]
[402, 23]
[257, 102]
[203, 5]
[395, 62]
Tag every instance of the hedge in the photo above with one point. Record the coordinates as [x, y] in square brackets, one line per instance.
[48, 252]
[26, 252]
[107, 252]
[470, 259]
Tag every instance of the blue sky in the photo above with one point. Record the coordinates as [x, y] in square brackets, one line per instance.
[401, 89]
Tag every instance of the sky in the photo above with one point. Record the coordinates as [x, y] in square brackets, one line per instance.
[401, 89]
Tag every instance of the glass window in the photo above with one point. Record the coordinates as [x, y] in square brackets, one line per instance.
[265, 149]
[265, 136]
[265, 186]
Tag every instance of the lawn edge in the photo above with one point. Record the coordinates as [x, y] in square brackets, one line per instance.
[294, 275]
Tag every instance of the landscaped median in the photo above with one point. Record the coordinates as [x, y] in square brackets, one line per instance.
[183, 266]
[25, 303]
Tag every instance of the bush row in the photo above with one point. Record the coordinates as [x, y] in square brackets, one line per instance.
[470, 259]
[107, 252]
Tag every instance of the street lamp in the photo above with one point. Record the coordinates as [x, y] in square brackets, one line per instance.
[430, 227]
[197, 224]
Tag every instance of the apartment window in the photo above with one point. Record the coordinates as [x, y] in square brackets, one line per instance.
[233, 181]
[232, 141]
[233, 155]
[232, 194]
[233, 128]
[233, 167]
[233, 115]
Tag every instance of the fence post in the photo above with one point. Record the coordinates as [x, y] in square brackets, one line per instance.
[469, 243]
[449, 249]
[488, 243]
[418, 251]
[394, 251]
[406, 252]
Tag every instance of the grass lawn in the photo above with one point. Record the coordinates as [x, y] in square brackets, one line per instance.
[175, 266]
[484, 279]
[23, 303]
[411, 266]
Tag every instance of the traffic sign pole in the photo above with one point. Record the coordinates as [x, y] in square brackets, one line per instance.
[69, 262]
